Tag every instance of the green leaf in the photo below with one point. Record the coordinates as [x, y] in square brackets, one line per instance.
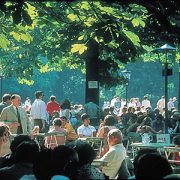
[80, 37]
[85, 6]
[15, 35]
[133, 37]
[4, 42]
[80, 48]
[135, 22]
[72, 17]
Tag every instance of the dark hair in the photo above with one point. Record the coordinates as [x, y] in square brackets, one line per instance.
[85, 152]
[64, 160]
[109, 120]
[27, 151]
[65, 104]
[63, 117]
[38, 94]
[6, 97]
[42, 168]
[57, 122]
[140, 153]
[18, 140]
[84, 116]
[152, 166]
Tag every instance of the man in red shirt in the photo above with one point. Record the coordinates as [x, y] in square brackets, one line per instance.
[52, 106]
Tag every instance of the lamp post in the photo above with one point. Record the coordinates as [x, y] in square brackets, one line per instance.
[1, 78]
[127, 75]
[165, 50]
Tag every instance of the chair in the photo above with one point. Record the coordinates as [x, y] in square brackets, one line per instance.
[132, 138]
[53, 139]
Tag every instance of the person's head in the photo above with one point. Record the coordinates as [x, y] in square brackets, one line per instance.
[39, 95]
[57, 122]
[4, 130]
[159, 118]
[140, 153]
[145, 97]
[18, 140]
[152, 166]
[63, 120]
[27, 152]
[85, 119]
[42, 168]
[109, 120]
[55, 114]
[83, 149]
[65, 104]
[52, 98]
[16, 100]
[115, 137]
[65, 160]
[6, 98]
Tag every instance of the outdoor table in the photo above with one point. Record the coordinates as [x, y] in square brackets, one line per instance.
[159, 146]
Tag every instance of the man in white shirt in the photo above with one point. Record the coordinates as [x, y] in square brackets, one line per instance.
[85, 130]
[146, 103]
[115, 155]
[38, 111]
[161, 104]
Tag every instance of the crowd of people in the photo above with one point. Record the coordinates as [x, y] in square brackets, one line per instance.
[71, 158]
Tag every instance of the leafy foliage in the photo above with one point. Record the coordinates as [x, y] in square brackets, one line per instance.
[48, 36]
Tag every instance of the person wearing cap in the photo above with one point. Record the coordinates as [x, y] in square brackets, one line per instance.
[86, 130]
[116, 154]
[38, 111]
[52, 106]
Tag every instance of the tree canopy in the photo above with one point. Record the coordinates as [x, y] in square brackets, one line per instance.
[52, 36]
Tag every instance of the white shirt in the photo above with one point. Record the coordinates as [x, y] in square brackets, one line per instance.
[38, 110]
[146, 103]
[86, 131]
[114, 157]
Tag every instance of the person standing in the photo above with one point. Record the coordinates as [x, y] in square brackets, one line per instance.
[38, 111]
[6, 101]
[93, 111]
[146, 103]
[161, 104]
[52, 106]
[16, 117]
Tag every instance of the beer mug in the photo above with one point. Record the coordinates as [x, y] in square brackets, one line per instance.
[146, 138]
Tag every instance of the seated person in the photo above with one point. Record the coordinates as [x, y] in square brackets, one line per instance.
[176, 155]
[4, 140]
[115, 155]
[53, 141]
[85, 170]
[86, 130]
[71, 134]
[109, 123]
[158, 124]
[145, 127]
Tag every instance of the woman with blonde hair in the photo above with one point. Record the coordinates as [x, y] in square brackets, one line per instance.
[4, 139]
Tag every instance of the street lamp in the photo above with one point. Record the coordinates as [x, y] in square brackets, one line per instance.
[1, 78]
[127, 75]
[165, 50]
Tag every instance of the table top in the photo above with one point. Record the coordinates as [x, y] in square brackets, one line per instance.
[50, 134]
[90, 138]
[152, 145]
